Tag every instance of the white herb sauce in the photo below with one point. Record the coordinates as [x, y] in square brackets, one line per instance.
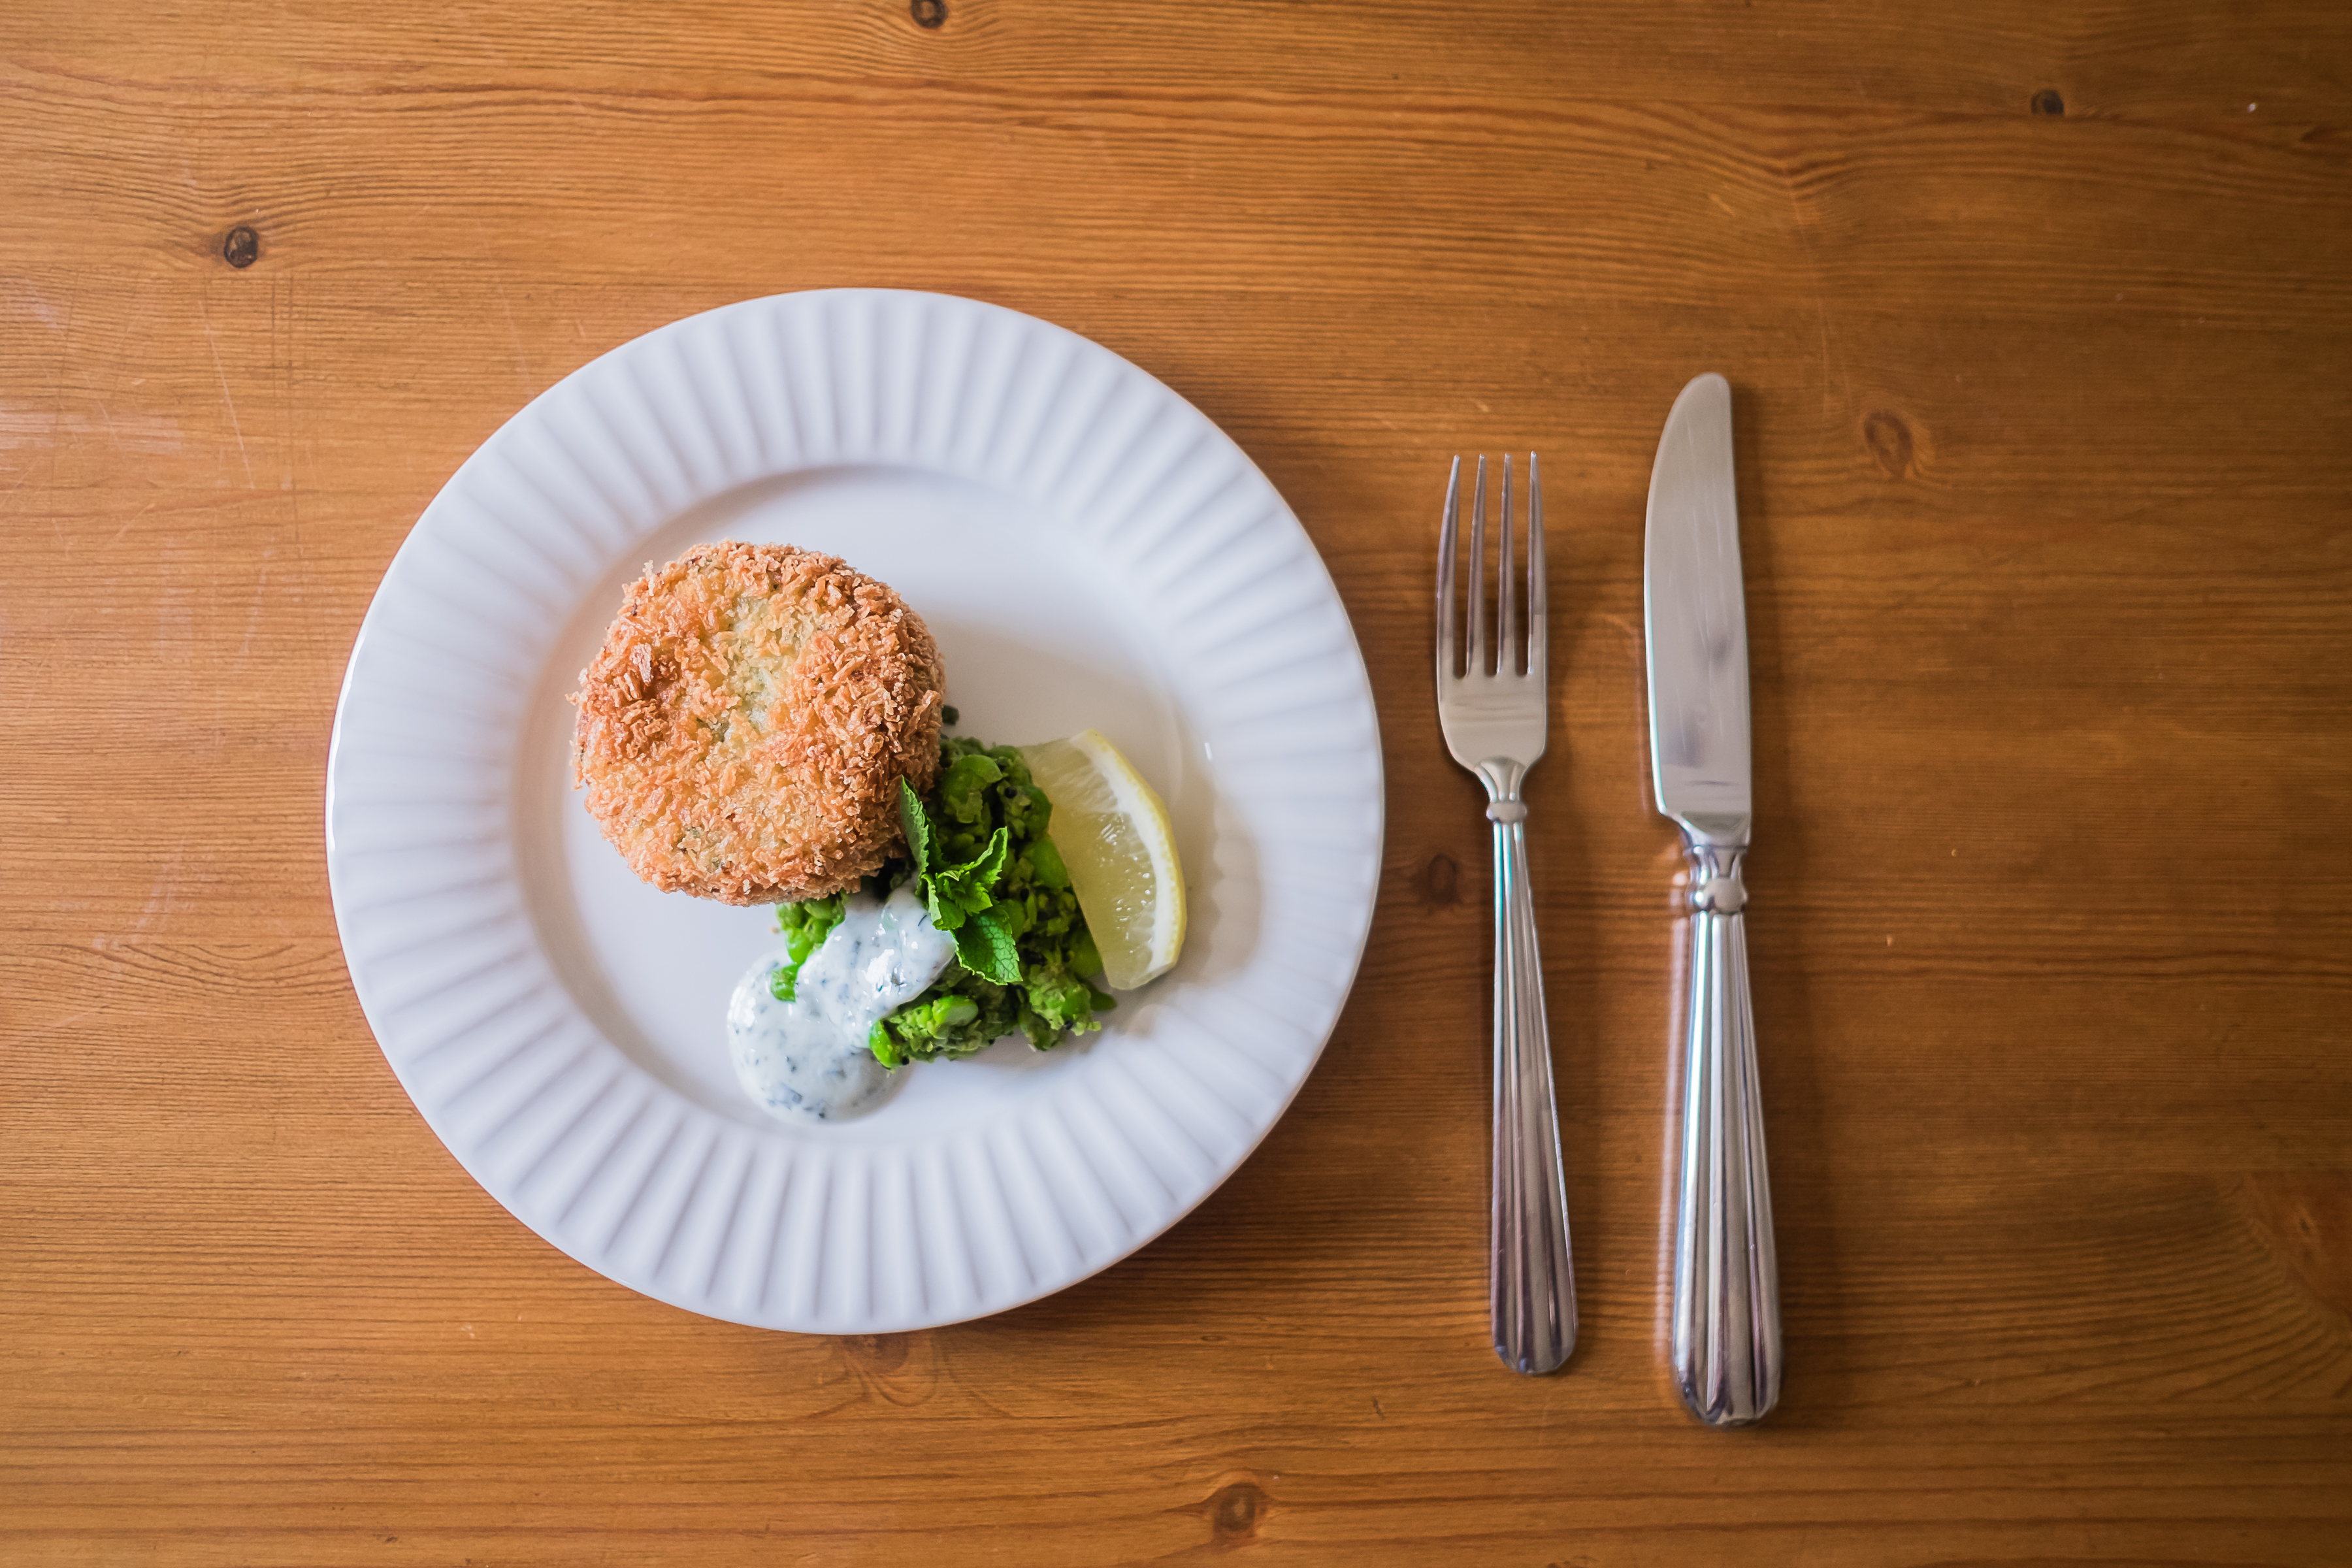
[805, 1060]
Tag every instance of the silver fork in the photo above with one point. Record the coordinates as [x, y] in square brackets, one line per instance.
[1493, 714]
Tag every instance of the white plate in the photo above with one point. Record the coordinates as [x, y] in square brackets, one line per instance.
[1088, 549]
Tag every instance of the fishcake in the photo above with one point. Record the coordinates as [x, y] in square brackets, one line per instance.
[742, 731]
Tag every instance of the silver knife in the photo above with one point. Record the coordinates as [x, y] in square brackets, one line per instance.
[1726, 1314]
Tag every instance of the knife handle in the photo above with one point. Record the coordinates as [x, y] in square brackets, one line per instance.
[1531, 1276]
[1726, 1319]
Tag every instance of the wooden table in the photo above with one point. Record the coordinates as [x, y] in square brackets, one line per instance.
[2039, 317]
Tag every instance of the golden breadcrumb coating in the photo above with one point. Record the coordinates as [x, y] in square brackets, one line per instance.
[743, 729]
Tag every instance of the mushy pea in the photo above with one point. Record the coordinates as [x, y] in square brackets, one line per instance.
[988, 876]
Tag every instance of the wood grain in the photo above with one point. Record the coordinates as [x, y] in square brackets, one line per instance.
[2045, 456]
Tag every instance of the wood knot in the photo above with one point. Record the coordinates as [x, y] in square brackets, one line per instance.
[241, 248]
[879, 1353]
[1889, 440]
[928, 13]
[2047, 102]
[1233, 1512]
[1439, 883]
[890, 1368]
[2305, 1219]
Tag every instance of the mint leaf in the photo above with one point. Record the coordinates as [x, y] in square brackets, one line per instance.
[972, 885]
[955, 894]
[987, 949]
[922, 848]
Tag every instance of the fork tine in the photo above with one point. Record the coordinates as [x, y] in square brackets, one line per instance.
[1474, 660]
[1507, 617]
[1447, 664]
[1539, 617]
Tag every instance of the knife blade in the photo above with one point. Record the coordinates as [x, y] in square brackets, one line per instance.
[1726, 1325]
[1698, 612]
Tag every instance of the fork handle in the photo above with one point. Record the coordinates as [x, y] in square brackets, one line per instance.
[1727, 1311]
[1532, 1274]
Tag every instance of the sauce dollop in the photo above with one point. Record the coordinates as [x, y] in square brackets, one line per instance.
[807, 1059]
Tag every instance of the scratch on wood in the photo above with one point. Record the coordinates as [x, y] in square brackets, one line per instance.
[1820, 303]
[213, 338]
[506, 307]
[28, 1035]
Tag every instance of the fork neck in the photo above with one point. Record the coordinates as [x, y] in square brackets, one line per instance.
[1502, 776]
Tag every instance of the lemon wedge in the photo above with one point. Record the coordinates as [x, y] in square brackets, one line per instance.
[1111, 830]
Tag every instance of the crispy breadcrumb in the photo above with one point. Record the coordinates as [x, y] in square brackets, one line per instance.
[742, 731]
